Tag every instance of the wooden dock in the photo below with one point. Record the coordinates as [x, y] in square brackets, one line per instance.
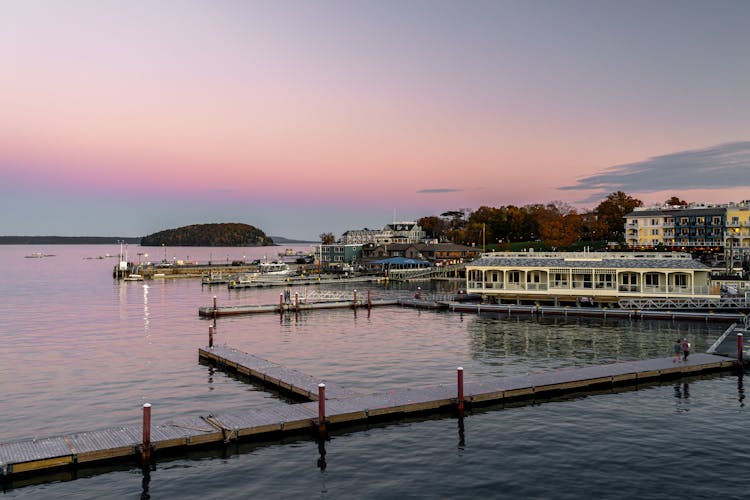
[38, 456]
[503, 309]
[212, 312]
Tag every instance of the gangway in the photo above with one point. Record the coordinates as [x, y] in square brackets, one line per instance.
[691, 303]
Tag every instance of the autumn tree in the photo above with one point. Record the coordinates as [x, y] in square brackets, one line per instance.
[612, 212]
[675, 201]
[327, 239]
[434, 227]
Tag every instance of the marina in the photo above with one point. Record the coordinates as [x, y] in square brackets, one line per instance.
[89, 380]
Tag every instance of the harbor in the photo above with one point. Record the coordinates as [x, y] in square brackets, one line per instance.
[88, 381]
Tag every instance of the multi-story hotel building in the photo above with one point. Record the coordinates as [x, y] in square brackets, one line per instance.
[690, 228]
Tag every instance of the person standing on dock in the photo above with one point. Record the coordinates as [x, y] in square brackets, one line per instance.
[685, 349]
[677, 350]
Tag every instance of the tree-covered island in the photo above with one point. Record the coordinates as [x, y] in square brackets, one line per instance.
[229, 234]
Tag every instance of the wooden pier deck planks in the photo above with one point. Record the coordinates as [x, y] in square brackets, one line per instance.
[342, 406]
[270, 373]
[209, 312]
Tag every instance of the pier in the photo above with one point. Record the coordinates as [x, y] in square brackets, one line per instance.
[325, 405]
[348, 300]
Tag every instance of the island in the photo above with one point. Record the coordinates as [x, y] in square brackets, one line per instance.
[228, 234]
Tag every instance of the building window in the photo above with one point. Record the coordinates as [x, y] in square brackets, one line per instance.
[716, 221]
[680, 280]
[651, 279]
[654, 232]
[700, 220]
[684, 220]
[514, 277]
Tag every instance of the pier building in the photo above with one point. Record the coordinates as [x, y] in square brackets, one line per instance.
[587, 277]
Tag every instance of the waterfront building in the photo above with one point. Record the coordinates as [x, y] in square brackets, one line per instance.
[339, 254]
[437, 253]
[587, 277]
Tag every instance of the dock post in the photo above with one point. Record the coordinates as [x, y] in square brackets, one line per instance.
[355, 298]
[210, 336]
[460, 383]
[369, 302]
[296, 301]
[739, 348]
[322, 408]
[281, 303]
[146, 446]
[214, 306]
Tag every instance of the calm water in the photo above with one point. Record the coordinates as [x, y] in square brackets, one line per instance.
[80, 351]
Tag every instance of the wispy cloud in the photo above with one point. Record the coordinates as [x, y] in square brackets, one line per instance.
[439, 190]
[717, 167]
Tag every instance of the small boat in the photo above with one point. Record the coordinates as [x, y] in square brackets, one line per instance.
[133, 277]
[38, 255]
[214, 279]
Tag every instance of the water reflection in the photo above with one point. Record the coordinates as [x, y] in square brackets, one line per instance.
[578, 340]
[322, 454]
[741, 389]
[682, 395]
[461, 433]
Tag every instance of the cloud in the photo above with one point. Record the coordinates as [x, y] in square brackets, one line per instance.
[439, 190]
[718, 167]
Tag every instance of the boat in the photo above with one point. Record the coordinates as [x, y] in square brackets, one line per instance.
[214, 279]
[38, 255]
[133, 277]
[274, 269]
[268, 272]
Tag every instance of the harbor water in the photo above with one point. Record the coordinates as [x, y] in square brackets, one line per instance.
[80, 351]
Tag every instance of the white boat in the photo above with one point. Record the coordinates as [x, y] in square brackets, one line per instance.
[268, 272]
[133, 277]
[274, 269]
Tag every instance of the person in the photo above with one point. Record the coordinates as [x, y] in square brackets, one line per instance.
[677, 350]
[685, 349]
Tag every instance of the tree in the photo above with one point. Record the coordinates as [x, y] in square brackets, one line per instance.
[327, 239]
[675, 201]
[612, 211]
[434, 226]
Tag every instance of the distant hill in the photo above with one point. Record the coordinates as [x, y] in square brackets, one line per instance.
[229, 234]
[279, 240]
[66, 240]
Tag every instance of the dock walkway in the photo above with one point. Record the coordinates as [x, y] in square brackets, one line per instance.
[35, 456]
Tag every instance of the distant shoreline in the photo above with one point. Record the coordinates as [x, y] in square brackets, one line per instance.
[102, 240]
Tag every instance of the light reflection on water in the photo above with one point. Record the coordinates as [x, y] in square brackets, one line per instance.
[82, 352]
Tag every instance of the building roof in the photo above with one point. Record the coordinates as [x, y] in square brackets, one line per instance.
[678, 212]
[599, 261]
[402, 261]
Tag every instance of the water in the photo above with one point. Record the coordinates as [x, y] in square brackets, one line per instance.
[80, 351]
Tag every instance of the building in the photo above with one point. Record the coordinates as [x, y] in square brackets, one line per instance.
[590, 277]
[359, 236]
[437, 253]
[339, 254]
[696, 227]
[396, 232]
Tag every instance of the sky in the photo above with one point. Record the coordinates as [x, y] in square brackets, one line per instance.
[123, 118]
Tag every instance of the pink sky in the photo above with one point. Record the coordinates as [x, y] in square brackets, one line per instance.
[302, 119]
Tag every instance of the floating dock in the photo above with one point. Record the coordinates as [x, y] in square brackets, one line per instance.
[339, 406]
[477, 308]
